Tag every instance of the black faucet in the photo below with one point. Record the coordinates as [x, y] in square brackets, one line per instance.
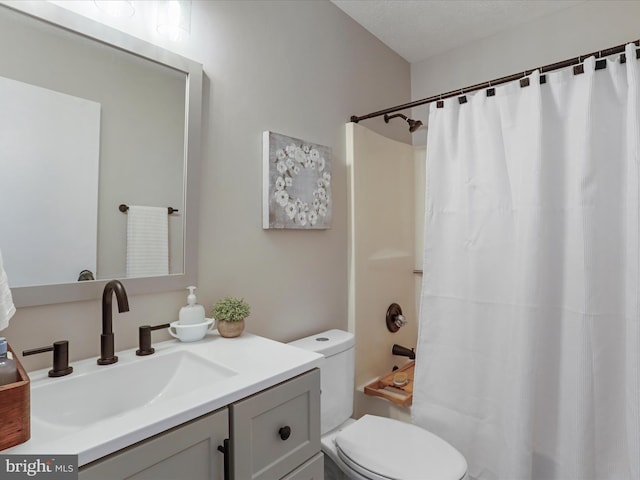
[107, 356]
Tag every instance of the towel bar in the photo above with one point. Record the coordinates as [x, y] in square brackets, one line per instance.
[123, 208]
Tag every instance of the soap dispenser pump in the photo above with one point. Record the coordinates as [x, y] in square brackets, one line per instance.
[192, 313]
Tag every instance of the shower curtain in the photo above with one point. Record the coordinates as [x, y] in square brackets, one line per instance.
[528, 357]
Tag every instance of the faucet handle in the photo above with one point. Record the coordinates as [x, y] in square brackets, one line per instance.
[60, 357]
[144, 335]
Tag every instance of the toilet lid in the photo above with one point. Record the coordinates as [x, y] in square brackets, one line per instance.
[400, 451]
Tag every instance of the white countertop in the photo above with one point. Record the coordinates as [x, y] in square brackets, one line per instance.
[257, 363]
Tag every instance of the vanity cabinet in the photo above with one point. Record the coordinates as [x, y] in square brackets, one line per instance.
[187, 451]
[274, 434]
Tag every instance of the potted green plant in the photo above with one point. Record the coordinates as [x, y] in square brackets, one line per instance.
[230, 313]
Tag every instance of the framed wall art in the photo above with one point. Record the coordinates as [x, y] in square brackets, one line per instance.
[296, 183]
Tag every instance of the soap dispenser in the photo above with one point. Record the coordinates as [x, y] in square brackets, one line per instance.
[192, 313]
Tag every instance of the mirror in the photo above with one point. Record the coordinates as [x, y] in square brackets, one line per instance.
[128, 114]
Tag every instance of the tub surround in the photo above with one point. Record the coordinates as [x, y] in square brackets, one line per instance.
[251, 363]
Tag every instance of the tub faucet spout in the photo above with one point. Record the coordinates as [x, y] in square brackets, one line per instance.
[404, 351]
[107, 354]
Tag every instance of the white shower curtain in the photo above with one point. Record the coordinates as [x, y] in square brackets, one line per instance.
[528, 356]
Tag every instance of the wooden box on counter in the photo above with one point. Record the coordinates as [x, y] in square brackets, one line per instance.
[15, 409]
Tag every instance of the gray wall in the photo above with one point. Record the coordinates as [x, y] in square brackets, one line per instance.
[299, 68]
[588, 27]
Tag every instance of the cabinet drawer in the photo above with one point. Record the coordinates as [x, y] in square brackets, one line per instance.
[312, 470]
[275, 431]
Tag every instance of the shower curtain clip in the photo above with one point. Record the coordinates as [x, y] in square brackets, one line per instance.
[440, 102]
[462, 98]
[491, 92]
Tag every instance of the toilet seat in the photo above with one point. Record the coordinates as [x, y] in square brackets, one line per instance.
[381, 448]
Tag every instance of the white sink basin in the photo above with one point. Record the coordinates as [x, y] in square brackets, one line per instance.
[85, 398]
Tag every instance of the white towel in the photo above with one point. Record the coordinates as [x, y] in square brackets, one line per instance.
[147, 241]
[7, 309]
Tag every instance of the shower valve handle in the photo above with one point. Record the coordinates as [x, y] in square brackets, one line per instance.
[395, 319]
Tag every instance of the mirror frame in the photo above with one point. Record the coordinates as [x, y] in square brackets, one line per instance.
[81, 291]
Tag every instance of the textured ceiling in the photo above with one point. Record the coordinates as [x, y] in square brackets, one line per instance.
[419, 29]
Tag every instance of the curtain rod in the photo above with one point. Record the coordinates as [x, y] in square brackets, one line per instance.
[516, 76]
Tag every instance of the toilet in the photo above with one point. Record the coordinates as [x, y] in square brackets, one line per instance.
[371, 448]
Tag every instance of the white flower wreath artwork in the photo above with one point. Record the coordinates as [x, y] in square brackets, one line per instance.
[297, 183]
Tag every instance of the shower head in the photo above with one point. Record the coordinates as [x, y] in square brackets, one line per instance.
[413, 124]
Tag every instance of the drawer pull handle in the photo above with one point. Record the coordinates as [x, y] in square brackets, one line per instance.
[285, 432]
[225, 449]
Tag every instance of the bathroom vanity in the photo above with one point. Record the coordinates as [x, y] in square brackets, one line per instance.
[274, 435]
[243, 408]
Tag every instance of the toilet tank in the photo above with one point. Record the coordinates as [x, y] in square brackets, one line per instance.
[336, 374]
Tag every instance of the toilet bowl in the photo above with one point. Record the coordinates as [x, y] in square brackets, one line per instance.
[372, 447]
